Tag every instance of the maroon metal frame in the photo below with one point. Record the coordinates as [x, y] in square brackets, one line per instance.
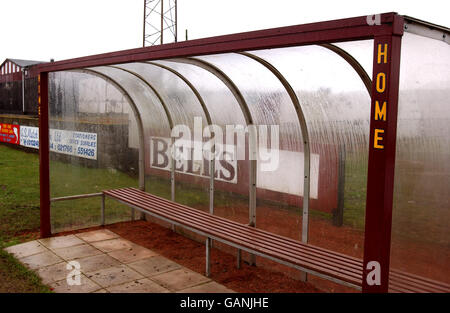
[380, 182]
[382, 144]
[44, 149]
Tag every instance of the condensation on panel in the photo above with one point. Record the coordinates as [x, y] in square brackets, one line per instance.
[336, 105]
[181, 102]
[189, 119]
[421, 213]
[267, 99]
[220, 102]
[359, 50]
[231, 174]
[89, 142]
[280, 144]
[155, 124]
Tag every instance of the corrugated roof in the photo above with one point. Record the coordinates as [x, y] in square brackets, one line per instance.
[24, 63]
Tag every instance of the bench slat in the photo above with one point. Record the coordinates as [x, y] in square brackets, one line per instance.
[417, 282]
[256, 231]
[337, 273]
[269, 242]
[266, 234]
[345, 257]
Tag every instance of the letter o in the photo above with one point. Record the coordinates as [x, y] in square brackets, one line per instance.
[381, 80]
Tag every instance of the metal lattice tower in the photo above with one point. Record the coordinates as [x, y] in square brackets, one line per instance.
[160, 22]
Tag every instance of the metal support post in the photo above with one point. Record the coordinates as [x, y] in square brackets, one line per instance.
[103, 210]
[208, 257]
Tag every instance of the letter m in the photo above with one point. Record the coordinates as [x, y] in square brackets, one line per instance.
[380, 114]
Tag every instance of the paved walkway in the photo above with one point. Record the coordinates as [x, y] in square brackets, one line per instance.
[108, 263]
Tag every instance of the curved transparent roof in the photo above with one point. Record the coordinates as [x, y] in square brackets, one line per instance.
[320, 90]
[317, 97]
[237, 89]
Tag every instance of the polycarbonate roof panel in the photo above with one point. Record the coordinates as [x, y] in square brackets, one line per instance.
[154, 119]
[220, 102]
[267, 99]
[331, 93]
[361, 50]
[179, 99]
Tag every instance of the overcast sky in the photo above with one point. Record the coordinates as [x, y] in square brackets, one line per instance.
[62, 29]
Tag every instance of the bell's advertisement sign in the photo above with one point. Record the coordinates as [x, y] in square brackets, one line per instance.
[225, 167]
[229, 169]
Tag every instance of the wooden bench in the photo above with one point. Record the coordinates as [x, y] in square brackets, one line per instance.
[321, 262]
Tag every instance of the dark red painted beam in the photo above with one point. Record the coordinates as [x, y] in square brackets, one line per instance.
[380, 177]
[44, 162]
[331, 31]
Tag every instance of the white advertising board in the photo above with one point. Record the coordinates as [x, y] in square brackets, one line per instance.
[80, 144]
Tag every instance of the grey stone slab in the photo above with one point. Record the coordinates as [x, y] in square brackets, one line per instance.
[138, 286]
[154, 266]
[180, 279]
[26, 249]
[61, 242]
[52, 273]
[97, 235]
[86, 286]
[132, 254]
[97, 262]
[114, 276]
[103, 269]
[113, 245]
[211, 287]
[77, 252]
[39, 260]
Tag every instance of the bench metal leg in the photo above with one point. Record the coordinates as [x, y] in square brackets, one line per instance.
[238, 258]
[208, 257]
[252, 260]
[103, 210]
[303, 276]
[132, 214]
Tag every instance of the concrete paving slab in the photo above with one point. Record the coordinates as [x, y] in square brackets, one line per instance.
[113, 245]
[114, 265]
[53, 273]
[61, 242]
[86, 286]
[180, 279]
[132, 254]
[26, 249]
[77, 252]
[42, 259]
[97, 262]
[154, 266]
[114, 276]
[211, 287]
[139, 286]
[97, 235]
